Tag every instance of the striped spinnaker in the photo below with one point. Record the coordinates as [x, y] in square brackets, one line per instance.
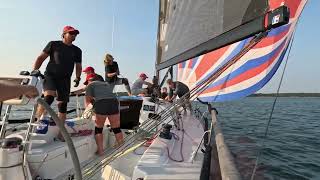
[252, 71]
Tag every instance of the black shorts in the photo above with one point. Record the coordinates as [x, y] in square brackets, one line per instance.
[61, 86]
[106, 106]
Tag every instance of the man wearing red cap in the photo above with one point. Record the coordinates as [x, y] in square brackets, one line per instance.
[136, 87]
[63, 57]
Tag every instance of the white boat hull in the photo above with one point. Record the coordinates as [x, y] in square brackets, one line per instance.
[52, 160]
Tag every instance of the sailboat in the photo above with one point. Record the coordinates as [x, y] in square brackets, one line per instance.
[222, 49]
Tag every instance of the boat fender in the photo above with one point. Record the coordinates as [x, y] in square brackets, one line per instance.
[98, 130]
[116, 130]
[49, 99]
[62, 107]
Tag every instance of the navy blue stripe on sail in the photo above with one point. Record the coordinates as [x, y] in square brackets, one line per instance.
[249, 90]
[248, 65]
[236, 51]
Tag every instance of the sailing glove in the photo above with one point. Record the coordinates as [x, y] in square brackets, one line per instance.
[76, 82]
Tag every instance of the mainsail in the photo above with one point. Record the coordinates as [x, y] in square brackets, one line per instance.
[188, 28]
[252, 71]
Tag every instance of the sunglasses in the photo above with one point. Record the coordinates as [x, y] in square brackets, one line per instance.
[73, 33]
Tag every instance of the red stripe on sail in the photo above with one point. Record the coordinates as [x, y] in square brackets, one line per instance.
[209, 60]
[268, 41]
[274, 4]
[190, 63]
[246, 75]
[292, 4]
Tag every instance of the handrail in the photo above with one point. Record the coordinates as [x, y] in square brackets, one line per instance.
[65, 134]
[226, 161]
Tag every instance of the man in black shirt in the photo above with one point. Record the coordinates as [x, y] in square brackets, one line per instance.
[112, 72]
[181, 90]
[164, 92]
[63, 57]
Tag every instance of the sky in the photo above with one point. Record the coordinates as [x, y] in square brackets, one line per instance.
[27, 26]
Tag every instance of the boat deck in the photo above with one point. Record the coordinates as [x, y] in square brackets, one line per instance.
[156, 164]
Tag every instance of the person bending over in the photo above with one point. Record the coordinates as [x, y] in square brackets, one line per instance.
[137, 85]
[181, 90]
[105, 105]
[88, 71]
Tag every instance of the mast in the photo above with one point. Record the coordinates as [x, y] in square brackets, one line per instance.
[158, 48]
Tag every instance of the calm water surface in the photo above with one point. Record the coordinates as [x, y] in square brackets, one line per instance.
[292, 147]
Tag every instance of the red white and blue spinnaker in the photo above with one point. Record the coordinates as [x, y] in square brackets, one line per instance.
[252, 71]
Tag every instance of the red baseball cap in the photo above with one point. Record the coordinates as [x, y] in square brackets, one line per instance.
[67, 29]
[89, 76]
[143, 75]
[89, 68]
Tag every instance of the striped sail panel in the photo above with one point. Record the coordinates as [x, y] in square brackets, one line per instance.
[252, 71]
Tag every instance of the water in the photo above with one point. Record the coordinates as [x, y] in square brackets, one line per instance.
[292, 147]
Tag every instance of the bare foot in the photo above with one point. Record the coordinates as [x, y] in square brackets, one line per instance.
[98, 153]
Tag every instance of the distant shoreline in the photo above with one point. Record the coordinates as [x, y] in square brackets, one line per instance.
[286, 95]
[263, 94]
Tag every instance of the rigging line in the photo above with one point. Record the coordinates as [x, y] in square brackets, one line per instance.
[206, 83]
[217, 74]
[272, 110]
[121, 148]
[141, 133]
[112, 158]
[113, 22]
[202, 86]
[108, 160]
[198, 89]
[195, 91]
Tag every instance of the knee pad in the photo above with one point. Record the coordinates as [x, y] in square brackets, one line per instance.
[62, 107]
[125, 81]
[98, 130]
[49, 99]
[116, 130]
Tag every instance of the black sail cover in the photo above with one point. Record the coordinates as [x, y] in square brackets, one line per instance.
[188, 28]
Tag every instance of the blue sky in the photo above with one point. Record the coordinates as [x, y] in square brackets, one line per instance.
[27, 26]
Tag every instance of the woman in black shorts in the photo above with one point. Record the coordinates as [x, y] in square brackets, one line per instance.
[105, 105]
